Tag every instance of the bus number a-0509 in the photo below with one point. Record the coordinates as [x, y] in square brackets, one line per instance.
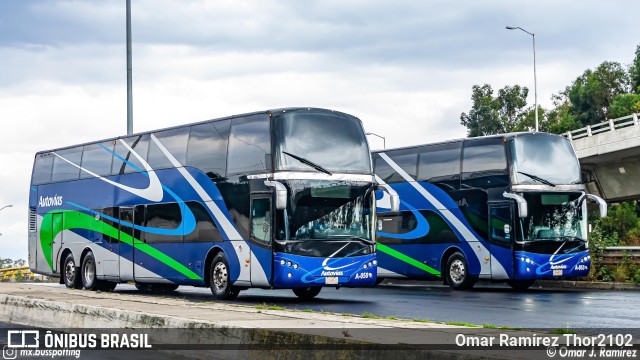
[365, 275]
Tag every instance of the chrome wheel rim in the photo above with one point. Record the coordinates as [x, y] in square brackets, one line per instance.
[220, 276]
[457, 271]
[89, 272]
[70, 272]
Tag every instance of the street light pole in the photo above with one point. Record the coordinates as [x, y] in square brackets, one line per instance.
[384, 141]
[129, 71]
[6, 206]
[535, 80]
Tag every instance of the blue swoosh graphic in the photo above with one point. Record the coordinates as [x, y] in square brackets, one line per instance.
[310, 273]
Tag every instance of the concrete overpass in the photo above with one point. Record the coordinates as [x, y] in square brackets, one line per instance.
[609, 153]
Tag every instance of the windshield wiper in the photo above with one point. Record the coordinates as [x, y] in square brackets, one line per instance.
[537, 178]
[308, 162]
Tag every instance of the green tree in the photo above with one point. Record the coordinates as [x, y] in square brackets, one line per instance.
[624, 104]
[495, 115]
[591, 93]
[559, 119]
[634, 72]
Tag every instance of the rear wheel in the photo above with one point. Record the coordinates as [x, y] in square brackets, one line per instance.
[458, 273]
[70, 273]
[220, 281]
[307, 293]
[90, 279]
[520, 285]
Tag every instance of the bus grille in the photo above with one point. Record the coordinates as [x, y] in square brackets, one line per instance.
[32, 219]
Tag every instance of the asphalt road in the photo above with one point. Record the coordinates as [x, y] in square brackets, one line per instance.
[492, 304]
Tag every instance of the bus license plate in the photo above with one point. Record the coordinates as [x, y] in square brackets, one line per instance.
[331, 280]
[557, 272]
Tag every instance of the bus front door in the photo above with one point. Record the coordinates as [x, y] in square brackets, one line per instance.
[501, 238]
[261, 262]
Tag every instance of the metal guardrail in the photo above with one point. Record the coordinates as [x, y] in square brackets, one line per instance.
[615, 255]
[19, 273]
[609, 125]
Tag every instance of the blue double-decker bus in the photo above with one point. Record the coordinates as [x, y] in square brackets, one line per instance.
[501, 208]
[273, 199]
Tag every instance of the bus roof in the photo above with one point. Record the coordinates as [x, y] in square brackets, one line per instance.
[504, 136]
[270, 112]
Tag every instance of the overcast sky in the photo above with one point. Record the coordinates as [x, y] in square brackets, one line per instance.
[405, 68]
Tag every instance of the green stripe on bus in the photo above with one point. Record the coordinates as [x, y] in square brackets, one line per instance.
[409, 260]
[78, 220]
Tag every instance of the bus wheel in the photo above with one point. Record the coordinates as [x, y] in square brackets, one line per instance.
[89, 279]
[520, 285]
[219, 280]
[70, 273]
[458, 273]
[307, 293]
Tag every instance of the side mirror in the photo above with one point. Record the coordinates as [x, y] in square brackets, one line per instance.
[281, 193]
[394, 199]
[601, 203]
[523, 208]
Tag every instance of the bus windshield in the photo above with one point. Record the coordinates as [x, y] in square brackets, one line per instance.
[309, 139]
[552, 216]
[326, 210]
[543, 159]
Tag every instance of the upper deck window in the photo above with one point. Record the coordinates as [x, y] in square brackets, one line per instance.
[548, 157]
[332, 140]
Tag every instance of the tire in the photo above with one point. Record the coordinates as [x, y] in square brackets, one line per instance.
[219, 280]
[70, 273]
[88, 270]
[307, 293]
[458, 276]
[520, 285]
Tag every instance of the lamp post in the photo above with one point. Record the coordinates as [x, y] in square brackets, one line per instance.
[535, 80]
[6, 206]
[384, 141]
[129, 71]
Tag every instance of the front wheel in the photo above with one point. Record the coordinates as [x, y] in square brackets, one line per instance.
[520, 285]
[307, 293]
[71, 274]
[458, 275]
[220, 281]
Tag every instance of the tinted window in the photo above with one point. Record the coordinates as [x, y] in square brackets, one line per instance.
[208, 147]
[501, 225]
[206, 230]
[330, 139]
[97, 158]
[406, 159]
[484, 164]
[42, 169]
[163, 217]
[542, 155]
[406, 223]
[261, 220]
[140, 145]
[63, 170]
[175, 141]
[249, 145]
[440, 163]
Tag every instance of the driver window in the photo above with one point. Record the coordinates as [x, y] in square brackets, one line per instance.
[261, 220]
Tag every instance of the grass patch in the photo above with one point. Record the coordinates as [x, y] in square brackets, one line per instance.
[421, 320]
[562, 331]
[460, 323]
[269, 307]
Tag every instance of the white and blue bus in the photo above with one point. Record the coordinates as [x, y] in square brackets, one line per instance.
[500, 208]
[273, 199]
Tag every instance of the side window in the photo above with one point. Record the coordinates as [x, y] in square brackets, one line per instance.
[63, 170]
[431, 229]
[396, 224]
[139, 144]
[484, 164]
[206, 230]
[42, 169]
[406, 159]
[261, 220]
[207, 148]
[175, 141]
[163, 217]
[440, 164]
[501, 225]
[249, 145]
[97, 158]
[109, 226]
